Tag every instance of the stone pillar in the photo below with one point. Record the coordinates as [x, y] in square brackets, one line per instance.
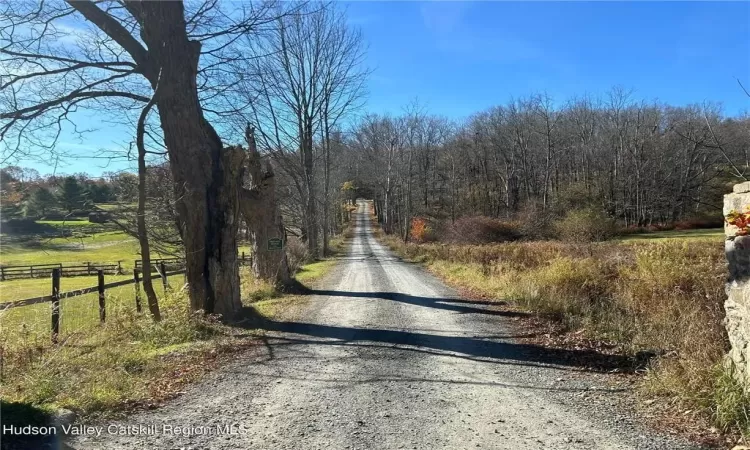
[737, 304]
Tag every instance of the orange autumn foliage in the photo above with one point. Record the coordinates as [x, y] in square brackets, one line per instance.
[740, 220]
[419, 229]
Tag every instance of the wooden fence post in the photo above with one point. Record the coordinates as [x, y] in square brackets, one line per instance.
[119, 268]
[102, 307]
[55, 304]
[137, 279]
[163, 269]
[2, 274]
[31, 271]
[88, 268]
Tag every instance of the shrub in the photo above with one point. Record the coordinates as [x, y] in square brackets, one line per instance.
[296, 253]
[418, 230]
[480, 230]
[694, 223]
[422, 231]
[585, 225]
[535, 223]
[574, 196]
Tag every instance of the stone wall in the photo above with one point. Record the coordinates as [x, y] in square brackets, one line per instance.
[737, 304]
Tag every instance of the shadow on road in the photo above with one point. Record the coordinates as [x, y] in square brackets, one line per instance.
[449, 304]
[464, 347]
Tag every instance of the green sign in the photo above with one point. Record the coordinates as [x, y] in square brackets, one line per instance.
[275, 244]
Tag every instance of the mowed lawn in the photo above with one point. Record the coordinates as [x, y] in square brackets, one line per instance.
[68, 241]
[86, 242]
[111, 246]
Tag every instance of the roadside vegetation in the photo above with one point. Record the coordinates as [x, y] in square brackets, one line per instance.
[131, 360]
[661, 298]
[100, 370]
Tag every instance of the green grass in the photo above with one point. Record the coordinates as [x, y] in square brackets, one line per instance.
[99, 369]
[716, 234]
[36, 287]
[76, 222]
[315, 270]
[77, 314]
[103, 247]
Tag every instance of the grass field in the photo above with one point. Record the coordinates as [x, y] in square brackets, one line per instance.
[104, 247]
[90, 242]
[36, 287]
[77, 314]
[716, 234]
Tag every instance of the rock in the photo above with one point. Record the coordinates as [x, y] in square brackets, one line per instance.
[737, 304]
[63, 417]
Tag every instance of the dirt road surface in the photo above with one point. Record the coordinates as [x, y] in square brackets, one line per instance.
[387, 357]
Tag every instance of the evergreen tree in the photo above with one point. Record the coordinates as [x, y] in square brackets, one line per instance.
[72, 195]
[41, 201]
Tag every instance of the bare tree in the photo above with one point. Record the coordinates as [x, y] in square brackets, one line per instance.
[140, 45]
[263, 217]
[643, 163]
[309, 76]
[148, 287]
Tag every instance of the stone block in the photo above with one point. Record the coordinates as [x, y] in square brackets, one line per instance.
[737, 304]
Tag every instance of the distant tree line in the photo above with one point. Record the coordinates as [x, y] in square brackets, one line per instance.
[26, 193]
[639, 163]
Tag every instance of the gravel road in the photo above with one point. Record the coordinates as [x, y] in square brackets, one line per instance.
[388, 357]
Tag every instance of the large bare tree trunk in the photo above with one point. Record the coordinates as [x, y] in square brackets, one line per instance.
[261, 212]
[207, 178]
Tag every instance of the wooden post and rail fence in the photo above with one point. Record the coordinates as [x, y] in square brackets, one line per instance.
[56, 296]
[45, 270]
[19, 272]
[164, 268]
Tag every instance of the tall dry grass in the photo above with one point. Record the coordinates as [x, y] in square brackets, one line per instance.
[662, 297]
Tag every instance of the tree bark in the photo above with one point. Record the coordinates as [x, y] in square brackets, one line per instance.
[311, 212]
[261, 212]
[207, 178]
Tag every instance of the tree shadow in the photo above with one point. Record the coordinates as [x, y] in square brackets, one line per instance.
[17, 414]
[463, 347]
[449, 304]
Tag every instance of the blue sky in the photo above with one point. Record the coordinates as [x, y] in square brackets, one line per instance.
[458, 58]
